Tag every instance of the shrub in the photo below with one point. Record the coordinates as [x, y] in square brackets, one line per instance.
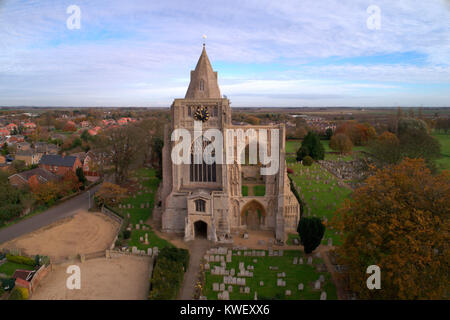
[290, 171]
[168, 273]
[307, 161]
[21, 260]
[126, 234]
[19, 293]
[311, 231]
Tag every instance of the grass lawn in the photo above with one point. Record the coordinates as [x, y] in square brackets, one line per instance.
[444, 140]
[259, 191]
[295, 274]
[146, 177]
[8, 268]
[293, 145]
[328, 196]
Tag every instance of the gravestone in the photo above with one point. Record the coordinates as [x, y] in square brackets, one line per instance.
[295, 260]
[321, 278]
[288, 292]
[261, 283]
[310, 260]
[300, 261]
[222, 287]
[323, 295]
[230, 288]
[317, 285]
[300, 286]
[330, 242]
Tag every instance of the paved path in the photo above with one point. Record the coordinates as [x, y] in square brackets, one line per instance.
[197, 249]
[63, 210]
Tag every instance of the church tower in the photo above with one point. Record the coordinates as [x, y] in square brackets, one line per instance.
[200, 199]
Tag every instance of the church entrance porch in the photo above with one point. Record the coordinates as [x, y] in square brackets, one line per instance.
[200, 230]
[253, 215]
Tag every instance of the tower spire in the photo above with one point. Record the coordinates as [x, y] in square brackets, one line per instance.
[203, 83]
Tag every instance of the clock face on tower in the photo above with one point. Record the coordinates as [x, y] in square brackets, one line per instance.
[201, 114]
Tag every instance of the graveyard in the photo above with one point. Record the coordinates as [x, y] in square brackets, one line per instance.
[321, 192]
[240, 274]
[138, 209]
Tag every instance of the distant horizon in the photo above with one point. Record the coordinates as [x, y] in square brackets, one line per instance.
[140, 53]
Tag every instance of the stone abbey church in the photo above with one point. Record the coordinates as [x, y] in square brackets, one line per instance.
[218, 201]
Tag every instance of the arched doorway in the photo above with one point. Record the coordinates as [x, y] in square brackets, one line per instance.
[253, 215]
[200, 230]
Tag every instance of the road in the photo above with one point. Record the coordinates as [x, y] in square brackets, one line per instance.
[63, 210]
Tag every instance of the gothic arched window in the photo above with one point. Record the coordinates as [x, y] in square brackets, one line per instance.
[200, 171]
[201, 85]
[200, 205]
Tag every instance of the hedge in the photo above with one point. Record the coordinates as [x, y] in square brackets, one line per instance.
[19, 293]
[168, 273]
[21, 260]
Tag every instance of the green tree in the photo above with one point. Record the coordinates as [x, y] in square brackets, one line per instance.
[311, 146]
[80, 174]
[311, 231]
[329, 133]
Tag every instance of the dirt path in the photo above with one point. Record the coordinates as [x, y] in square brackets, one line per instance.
[197, 250]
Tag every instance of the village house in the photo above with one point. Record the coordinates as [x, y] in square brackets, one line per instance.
[4, 132]
[29, 125]
[38, 174]
[46, 148]
[23, 146]
[11, 127]
[59, 164]
[29, 156]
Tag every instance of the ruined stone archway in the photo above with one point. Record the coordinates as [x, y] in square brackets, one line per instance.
[200, 229]
[253, 215]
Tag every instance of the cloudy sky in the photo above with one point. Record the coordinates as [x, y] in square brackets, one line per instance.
[267, 53]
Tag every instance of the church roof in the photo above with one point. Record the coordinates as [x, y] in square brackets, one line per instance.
[203, 83]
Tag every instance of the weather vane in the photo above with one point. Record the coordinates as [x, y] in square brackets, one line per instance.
[204, 39]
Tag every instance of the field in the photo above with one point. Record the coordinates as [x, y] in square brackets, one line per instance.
[444, 139]
[122, 278]
[85, 232]
[295, 274]
[321, 192]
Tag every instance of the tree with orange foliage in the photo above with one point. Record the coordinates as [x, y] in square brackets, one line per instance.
[45, 193]
[358, 133]
[70, 183]
[341, 143]
[110, 194]
[399, 221]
